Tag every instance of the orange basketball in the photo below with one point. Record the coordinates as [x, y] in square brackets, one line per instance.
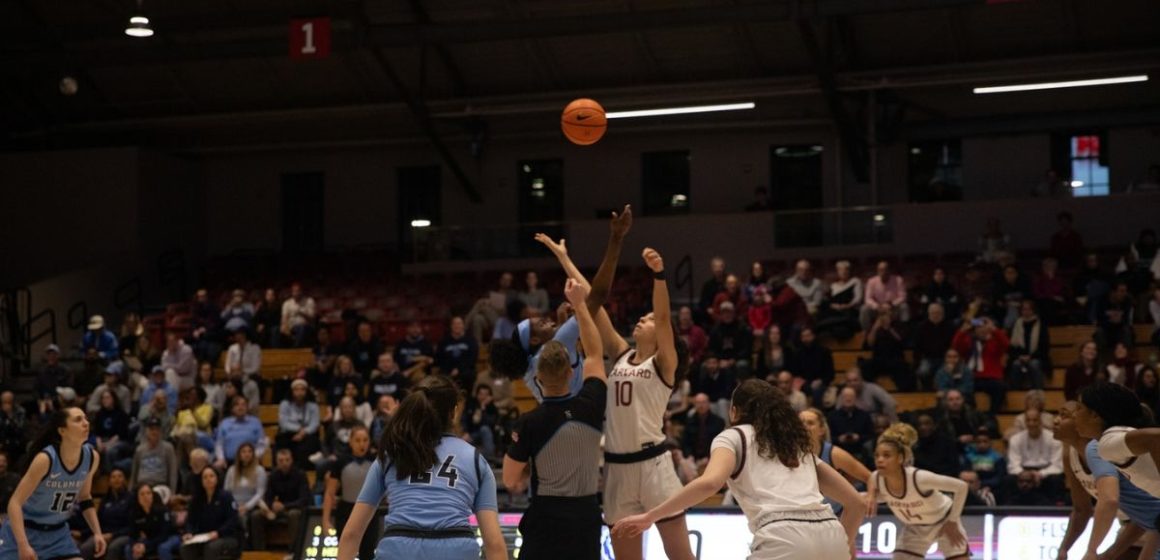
[583, 122]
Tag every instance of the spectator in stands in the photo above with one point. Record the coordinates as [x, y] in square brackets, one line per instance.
[717, 383]
[193, 425]
[787, 309]
[187, 475]
[246, 480]
[952, 374]
[110, 431]
[365, 349]
[151, 527]
[1090, 286]
[977, 495]
[157, 407]
[941, 291]
[1154, 310]
[870, 396]
[886, 354]
[989, 465]
[1148, 387]
[935, 451]
[155, 460]
[287, 495]
[976, 288]
[733, 295]
[1050, 292]
[457, 355]
[731, 343]
[695, 337]
[505, 325]
[52, 374]
[8, 482]
[268, 320]
[1036, 451]
[760, 313]
[1083, 372]
[796, 398]
[774, 356]
[1066, 243]
[234, 387]
[1114, 315]
[205, 327]
[385, 409]
[757, 279]
[806, 286]
[414, 350]
[1029, 356]
[298, 421]
[244, 358]
[158, 384]
[714, 285]
[480, 421]
[179, 358]
[325, 354]
[535, 297]
[238, 313]
[814, 363]
[131, 330]
[343, 373]
[343, 421]
[680, 402]
[388, 379]
[99, 342]
[700, 429]
[1142, 254]
[955, 417]
[1123, 369]
[993, 241]
[241, 427]
[112, 384]
[140, 358]
[212, 511]
[214, 391]
[1032, 400]
[487, 311]
[114, 513]
[850, 425]
[298, 315]
[884, 288]
[932, 339]
[13, 426]
[983, 346]
[1009, 293]
[839, 312]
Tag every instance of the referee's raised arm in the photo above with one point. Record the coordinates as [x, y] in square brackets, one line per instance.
[577, 294]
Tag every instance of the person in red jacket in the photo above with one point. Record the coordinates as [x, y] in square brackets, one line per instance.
[983, 347]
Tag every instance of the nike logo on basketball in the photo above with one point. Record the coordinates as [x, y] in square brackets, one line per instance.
[582, 117]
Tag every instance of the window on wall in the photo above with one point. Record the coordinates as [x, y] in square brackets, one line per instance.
[541, 184]
[1089, 177]
[665, 182]
[935, 171]
[419, 202]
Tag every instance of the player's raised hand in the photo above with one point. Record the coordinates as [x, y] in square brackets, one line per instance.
[558, 249]
[576, 292]
[653, 259]
[621, 222]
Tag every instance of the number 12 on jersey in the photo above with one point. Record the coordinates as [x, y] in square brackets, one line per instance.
[623, 393]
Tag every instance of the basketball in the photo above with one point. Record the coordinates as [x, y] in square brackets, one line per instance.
[583, 122]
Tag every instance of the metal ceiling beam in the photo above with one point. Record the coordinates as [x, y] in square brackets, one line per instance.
[853, 141]
[458, 84]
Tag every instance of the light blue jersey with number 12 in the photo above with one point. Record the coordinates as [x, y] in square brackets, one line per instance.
[51, 503]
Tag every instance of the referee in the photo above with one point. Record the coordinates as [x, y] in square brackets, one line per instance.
[560, 441]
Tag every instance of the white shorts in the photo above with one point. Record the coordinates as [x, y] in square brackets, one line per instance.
[632, 488]
[916, 539]
[815, 535]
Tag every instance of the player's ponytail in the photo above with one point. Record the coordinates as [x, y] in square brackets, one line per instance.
[411, 435]
[902, 437]
[778, 431]
[1115, 404]
[49, 435]
[507, 357]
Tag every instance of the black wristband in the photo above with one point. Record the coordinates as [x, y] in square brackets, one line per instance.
[659, 275]
[86, 504]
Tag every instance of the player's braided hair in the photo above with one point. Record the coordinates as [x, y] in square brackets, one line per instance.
[903, 437]
[778, 431]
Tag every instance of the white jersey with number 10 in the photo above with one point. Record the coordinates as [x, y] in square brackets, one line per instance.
[637, 399]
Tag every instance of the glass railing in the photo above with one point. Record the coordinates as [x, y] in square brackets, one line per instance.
[863, 225]
[474, 243]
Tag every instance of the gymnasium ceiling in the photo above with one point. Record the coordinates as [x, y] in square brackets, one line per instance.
[217, 77]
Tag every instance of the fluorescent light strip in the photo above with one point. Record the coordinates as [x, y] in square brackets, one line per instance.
[1058, 85]
[680, 110]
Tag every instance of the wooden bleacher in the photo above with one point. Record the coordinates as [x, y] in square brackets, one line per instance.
[280, 363]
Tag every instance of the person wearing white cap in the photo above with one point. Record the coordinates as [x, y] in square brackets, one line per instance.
[298, 421]
[52, 374]
[98, 341]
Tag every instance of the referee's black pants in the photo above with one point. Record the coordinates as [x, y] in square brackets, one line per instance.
[561, 528]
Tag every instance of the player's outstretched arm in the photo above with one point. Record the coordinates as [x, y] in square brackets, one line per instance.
[722, 461]
[577, 295]
[662, 317]
[835, 487]
[602, 282]
[36, 472]
[356, 525]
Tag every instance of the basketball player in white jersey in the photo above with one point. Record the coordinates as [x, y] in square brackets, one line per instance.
[1113, 414]
[767, 460]
[917, 499]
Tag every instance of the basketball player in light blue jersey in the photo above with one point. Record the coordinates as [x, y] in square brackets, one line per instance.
[517, 358]
[432, 480]
[59, 475]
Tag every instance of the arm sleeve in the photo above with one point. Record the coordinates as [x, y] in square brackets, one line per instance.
[485, 498]
[374, 487]
[1113, 447]
[1099, 466]
[520, 449]
[958, 489]
[568, 333]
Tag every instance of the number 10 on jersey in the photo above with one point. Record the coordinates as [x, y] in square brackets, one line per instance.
[622, 393]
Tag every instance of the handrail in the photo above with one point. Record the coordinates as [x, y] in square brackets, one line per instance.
[73, 321]
[30, 338]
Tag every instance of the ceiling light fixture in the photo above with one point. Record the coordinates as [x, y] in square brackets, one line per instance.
[420, 223]
[1059, 85]
[139, 24]
[680, 110]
